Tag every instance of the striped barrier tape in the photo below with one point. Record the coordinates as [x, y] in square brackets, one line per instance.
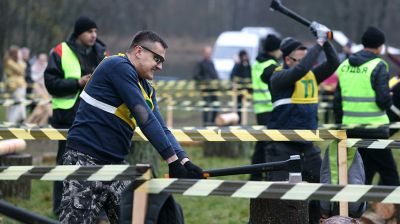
[192, 134]
[373, 143]
[73, 172]
[186, 94]
[26, 102]
[221, 109]
[7, 95]
[394, 125]
[205, 109]
[192, 84]
[274, 190]
[202, 103]
[188, 134]
[6, 124]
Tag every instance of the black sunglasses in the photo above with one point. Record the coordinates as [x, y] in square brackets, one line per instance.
[294, 59]
[157, 58]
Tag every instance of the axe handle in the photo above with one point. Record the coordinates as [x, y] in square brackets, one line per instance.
[255, 168]
[277, 6]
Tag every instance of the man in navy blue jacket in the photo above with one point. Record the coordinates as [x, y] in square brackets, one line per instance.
[294, 92]
[116, 100]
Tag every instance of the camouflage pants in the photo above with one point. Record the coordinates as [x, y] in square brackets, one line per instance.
[82, 201]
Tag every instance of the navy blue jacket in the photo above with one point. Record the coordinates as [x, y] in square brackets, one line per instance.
[107, 137]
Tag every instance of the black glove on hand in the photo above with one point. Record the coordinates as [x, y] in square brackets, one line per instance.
[320, 31]
[177, 170]
[194, 171]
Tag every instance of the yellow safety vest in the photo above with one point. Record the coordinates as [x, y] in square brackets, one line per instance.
[72, 70]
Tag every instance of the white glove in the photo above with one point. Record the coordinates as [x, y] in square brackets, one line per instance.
[320, 31]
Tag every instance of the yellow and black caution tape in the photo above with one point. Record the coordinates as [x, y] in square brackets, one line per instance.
[201, 105]
[191, 85]
[74, 172]
[192, 134]
[276, 190]
[233, 133]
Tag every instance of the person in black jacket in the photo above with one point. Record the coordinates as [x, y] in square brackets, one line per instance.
[375, 160]
[267, 59]
[241, 74]
[204, 73]
[69, 68]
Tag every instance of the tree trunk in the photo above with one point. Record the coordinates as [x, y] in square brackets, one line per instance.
[16, 188]
[275, 211]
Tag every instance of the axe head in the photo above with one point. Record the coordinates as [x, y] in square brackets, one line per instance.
[276, 5]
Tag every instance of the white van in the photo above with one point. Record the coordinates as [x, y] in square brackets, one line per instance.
[227, 48]
[229, 43]
[262, 32]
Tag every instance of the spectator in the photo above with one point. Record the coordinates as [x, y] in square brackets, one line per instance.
[42, 112]
[14, 71]
[241, 74]
[205, 73]
[70, 65]
[26, 58]
[262, 69]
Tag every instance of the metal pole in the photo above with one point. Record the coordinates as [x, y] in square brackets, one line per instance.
[23, 215]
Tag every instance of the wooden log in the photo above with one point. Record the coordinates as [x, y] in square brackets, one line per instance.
[275, 211]
[144, 153]
[227, 149]
[19, 188]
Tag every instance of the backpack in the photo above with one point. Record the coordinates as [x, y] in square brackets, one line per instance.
[161, 208]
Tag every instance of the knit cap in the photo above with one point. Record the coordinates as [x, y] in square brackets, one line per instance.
[83, 24]
[373, 37]
[271, 43]
[289, 44]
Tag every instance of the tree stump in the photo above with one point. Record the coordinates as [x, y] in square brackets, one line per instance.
[16, 188]
[275, 211]
[144, 153]
[227, 149]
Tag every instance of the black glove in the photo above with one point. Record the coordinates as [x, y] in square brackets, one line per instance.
[194, 171]
[320, 31]
[177, 170]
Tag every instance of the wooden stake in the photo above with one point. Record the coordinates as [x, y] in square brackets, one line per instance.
[343, 178]
[139, 207]
[245, 116]
[170, 112]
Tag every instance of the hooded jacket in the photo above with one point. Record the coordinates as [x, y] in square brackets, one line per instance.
[379, 82]
[58, 86]
[266, 76]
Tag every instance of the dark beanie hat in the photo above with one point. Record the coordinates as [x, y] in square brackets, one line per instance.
[83, 24]
[373, 37]
[290, 44]
[271, 43]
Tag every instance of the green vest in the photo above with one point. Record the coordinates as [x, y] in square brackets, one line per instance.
[358, 97]
[261, 96]
[72, 70]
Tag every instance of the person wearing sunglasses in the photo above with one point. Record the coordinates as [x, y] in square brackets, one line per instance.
[294, 92]
[118, 99]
